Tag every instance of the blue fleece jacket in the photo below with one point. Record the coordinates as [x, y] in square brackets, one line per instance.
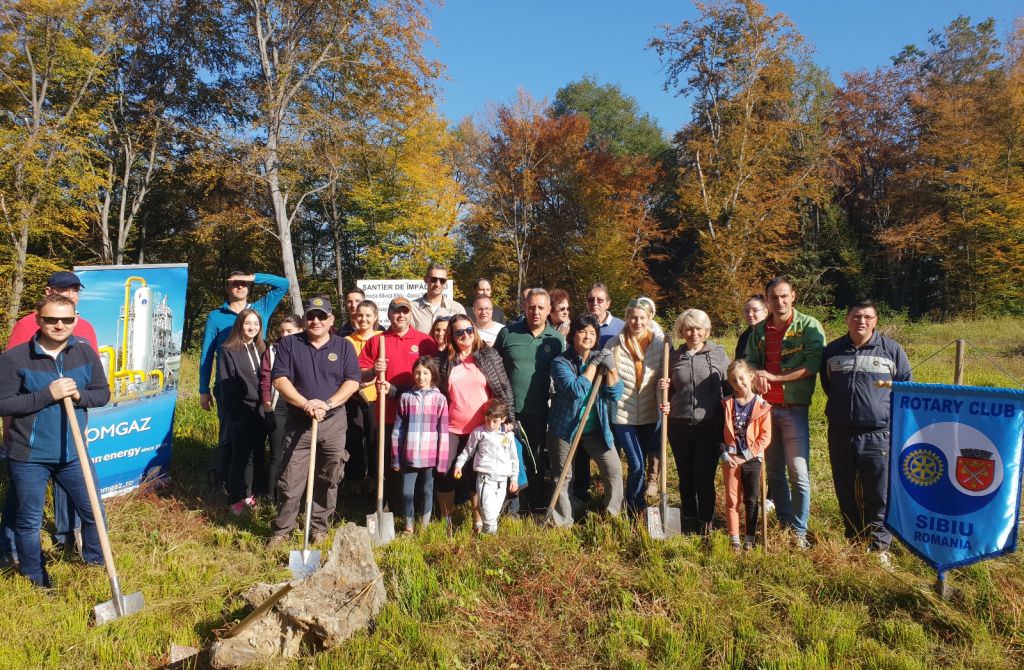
[38, 431]
[570, 399]
[220, 321]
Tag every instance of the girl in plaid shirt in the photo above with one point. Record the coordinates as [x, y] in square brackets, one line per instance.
[420, 440]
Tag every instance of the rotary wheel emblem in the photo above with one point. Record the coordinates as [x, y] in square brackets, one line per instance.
[922, 467]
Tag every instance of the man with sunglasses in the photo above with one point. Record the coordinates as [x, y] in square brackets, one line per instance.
[432, 304]
[66, 522]
[599, 303]
[403, 344]
[218, 327]
[35, 378]
[316, 372]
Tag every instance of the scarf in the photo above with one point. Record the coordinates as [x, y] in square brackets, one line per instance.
[636, 348]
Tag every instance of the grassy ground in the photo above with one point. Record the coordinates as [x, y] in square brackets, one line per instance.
[599, 595]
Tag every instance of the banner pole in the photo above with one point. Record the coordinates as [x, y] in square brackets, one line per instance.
[941, 586]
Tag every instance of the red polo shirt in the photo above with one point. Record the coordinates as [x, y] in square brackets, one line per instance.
[773, 338]
[401, 353]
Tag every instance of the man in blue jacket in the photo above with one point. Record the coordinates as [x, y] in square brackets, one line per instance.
[35, 377]
[859, 417]
[218, 327]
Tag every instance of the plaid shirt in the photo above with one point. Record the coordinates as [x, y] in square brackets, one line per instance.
[421, 431]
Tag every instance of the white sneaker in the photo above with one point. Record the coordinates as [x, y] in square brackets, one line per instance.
[885, 560]
[769, 506]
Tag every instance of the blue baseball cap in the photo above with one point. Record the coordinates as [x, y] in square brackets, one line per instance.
[64, 279]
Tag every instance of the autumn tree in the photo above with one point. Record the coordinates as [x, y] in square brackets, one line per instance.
[750, 154]
[549, 207]
[302, 53]
[53, 57]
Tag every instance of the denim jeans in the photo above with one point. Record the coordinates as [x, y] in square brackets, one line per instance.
[30, 484]
[65, 521]
[417, 483]
[636, 443]
[790, 453]
[8, 550]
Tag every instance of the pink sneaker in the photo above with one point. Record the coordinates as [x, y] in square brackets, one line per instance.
[250, 501]
[237, 508]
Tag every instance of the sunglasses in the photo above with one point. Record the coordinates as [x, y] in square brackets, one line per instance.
[238, 284]
[438, 280]
[53, 320]
[318, 316]
[464, 331]
[594, 299]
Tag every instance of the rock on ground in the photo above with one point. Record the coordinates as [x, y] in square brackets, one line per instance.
[320, 612]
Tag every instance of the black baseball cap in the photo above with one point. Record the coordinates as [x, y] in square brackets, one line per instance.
[64, 279]
[318, 304]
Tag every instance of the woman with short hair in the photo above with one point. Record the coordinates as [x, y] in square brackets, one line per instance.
[469, 374]
[696, 383]
[361, 419]
[560, 316]
[573, 374]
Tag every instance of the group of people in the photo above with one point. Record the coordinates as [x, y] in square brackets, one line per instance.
[482, 410]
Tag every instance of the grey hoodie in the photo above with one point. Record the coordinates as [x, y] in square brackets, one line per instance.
[698, 383]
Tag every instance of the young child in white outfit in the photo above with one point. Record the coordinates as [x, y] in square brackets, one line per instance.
[496, 463]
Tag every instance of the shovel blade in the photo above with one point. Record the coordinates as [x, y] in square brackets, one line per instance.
[107, 611]
[655, 527]
[383, 533]
[303, 563]
[673, 521]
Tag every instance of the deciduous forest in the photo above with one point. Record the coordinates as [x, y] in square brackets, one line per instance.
[302, 138]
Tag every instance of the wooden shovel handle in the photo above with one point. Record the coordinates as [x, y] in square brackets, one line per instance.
[573, 445]
[663, 484]
[381, 417]
[90, 486]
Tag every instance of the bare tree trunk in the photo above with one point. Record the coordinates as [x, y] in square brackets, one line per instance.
[18, 277]
[337, 261]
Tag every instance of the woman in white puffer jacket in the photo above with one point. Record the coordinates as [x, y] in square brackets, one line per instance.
[638, 353]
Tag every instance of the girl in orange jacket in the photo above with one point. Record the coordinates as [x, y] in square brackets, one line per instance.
[748, 432]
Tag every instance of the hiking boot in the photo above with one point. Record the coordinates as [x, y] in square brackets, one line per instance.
[276, 541]
[318, 537]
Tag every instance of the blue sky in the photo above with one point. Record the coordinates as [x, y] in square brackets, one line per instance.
[493, 47]
[103, 296]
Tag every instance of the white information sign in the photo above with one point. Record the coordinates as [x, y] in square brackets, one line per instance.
[383, 291]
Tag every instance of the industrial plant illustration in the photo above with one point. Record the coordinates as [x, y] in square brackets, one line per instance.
[145, 360]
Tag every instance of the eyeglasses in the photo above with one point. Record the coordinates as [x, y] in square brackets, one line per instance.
[863, 317]
[317, 316]
[438, 280]
[594, 298]
[52, 320]
[464, 331]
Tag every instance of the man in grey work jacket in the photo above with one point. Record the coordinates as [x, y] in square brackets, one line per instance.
[859, 417]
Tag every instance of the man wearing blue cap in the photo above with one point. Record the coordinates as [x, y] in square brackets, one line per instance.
[66, 522]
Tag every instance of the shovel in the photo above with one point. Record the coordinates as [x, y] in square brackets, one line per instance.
[764, 505]
[549, 517]
[306, 562]
[664, 521]
[119, 605]
[380, 525]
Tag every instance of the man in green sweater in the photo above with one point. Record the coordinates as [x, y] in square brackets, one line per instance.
[786, 347]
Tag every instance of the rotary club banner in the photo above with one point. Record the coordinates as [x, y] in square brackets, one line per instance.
[955, 471]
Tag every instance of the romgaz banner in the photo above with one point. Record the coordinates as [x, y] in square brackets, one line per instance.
[955, 471]
[137, 311]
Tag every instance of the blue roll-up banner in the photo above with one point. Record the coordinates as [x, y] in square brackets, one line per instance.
[955, 471]
[138, 312]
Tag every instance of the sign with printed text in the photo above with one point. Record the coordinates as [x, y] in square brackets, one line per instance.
[138, 312]
[383, 291]
[954, 471]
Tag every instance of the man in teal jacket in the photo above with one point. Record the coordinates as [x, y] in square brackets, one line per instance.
[786, 348]
[218, 327]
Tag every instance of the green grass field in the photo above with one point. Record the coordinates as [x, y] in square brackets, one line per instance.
[601, 595]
